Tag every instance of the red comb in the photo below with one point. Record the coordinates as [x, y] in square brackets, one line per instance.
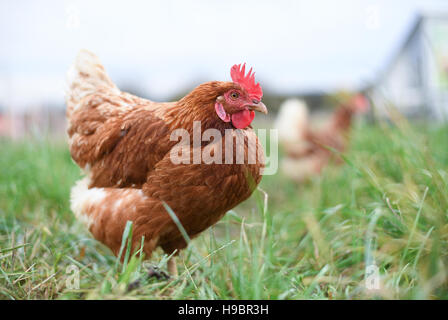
[246, 81]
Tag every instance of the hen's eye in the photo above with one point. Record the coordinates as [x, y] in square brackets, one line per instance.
[234, 95]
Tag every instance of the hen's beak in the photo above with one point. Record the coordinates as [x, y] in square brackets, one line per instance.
[258, 106]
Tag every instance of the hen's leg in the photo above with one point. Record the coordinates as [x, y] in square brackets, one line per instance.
[172, 267]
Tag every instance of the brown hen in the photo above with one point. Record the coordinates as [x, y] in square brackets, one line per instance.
[314, 148]
[125, 147]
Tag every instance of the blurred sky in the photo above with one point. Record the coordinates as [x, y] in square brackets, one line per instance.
[163, 47]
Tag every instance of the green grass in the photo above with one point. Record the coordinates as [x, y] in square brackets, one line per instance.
[387, 205]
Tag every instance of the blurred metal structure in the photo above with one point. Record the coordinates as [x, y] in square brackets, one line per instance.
[415, 82]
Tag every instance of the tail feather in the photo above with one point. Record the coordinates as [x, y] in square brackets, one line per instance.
[292, 122]
[105, 212]
[84, 77]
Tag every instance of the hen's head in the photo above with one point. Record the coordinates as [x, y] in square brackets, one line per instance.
[225, 102]
[240, 99]
[359, 104]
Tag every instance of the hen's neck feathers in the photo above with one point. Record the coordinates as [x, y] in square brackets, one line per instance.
[199, 105]
[342, 118]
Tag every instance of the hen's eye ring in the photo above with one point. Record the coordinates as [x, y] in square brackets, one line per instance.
[234, 95]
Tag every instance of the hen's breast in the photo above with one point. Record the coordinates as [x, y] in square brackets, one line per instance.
[201, 193]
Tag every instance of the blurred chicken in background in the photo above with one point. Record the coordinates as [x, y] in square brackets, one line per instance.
[307, 145]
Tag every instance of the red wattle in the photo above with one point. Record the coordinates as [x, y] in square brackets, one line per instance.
[242, 119]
